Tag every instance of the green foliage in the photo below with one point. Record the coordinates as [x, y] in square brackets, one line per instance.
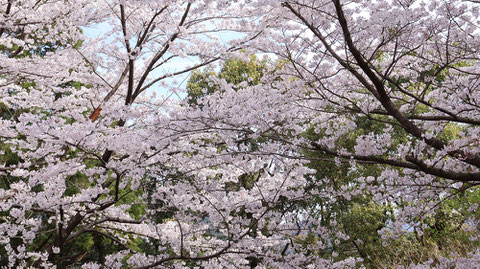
[234, 71]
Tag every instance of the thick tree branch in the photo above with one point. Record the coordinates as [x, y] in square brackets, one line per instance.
[160, 54]
[413, 163]
[387, 102]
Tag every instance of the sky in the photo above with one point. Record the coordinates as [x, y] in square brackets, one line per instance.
[174, 65]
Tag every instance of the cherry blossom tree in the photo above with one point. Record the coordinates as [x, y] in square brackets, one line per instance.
[381, 84]
[101, 172]
[93, 150]
[403, 66]
[407, 67]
